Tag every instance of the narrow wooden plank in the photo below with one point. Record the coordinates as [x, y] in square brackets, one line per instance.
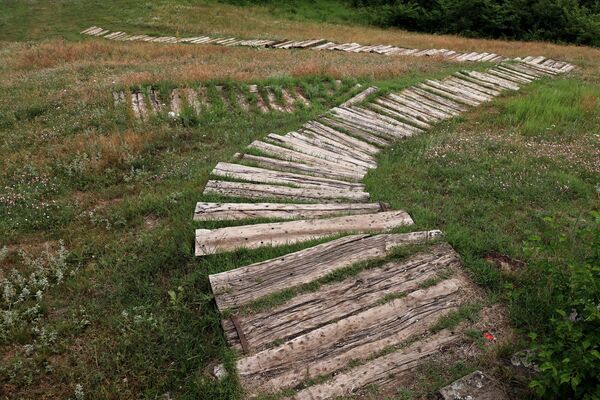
[505, 69]
[509, 77]
[335, 301]
[435, 89]
[405, 116]
[421, 115]
[262, 175]
[238, 287]
[329, 144]
[360, 97]
[315, 151]
[341, 137]
[474, 86]
[368, 124]
[260, 102]
[488, 84]
[451, 93]
[507, 84]
[385, 120]
[176, 103]
[411, 99]
[441, 101]
[382, 371]
[242, 211]
[264, 191]
[332, 347]
[355, 131]
[138, 105]
[281, 165]
[283, 233]
[463, 90]
[296, 156]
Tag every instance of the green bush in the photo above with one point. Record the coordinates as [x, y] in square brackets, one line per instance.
[569, 356]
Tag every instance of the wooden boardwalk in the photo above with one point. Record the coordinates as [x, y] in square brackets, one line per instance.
[331, 319]
[326, 45]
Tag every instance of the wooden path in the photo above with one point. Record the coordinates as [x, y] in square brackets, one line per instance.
[148, 102]
[323, 44]
[331, 319]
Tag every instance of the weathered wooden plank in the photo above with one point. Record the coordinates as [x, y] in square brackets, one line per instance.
[474, 86]
[360, 97]
[488, 84]
[264, 191]
[238, 287]
[283, 233]
[242, 211]
[316, 151]
[332, 347]
[341, 137]
[355, 131]
[262, 175]
[385, 120]
[404, 115]
[335, 301]
[505, 83]
[281, 165]
[463, 90]
[176, 103]
[260, 102]
[382, 371]
[400, 107]
[513, 72]
[411, 99]
[138, 106]
[441, 101]
[368, 124]
[296, 156]
[435, 89]
[461, 94]
[325, 142]
[510, 77]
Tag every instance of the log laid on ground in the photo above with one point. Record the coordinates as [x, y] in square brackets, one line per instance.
[326, 142]
[264, 191]
[332, 347]
[282, 233]
[354, 130]
[262, 175]
[338, 300]
[341, 137]
[282, 165]
[241, 211]
[238, 287]
[360, 97]
[382, 372]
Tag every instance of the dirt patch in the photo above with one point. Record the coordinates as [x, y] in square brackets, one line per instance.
[151, 221]
[505, 263]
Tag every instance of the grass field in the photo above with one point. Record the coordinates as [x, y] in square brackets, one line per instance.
[96, 210]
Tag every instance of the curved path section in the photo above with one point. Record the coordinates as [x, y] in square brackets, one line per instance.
[340, 315]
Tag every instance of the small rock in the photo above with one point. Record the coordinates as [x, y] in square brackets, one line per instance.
[475, 386]
[220, 372]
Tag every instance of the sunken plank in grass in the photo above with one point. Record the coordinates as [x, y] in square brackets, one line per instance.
[238, 287]
[242, 211]
[334, 301]
[262, 175]
[265, 191]
[332, 347]
[383, 371]
[360, 97]
[283, 233]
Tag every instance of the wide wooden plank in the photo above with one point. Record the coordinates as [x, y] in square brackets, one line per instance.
[360, 97]
[264, 191]
[385, 120]
[450, 93]
[282, 233]
[368, 124]
[487, 84]
[235, 288]
[354, 130]
[241, 211]
[282, 165]
[332, 347]
[509, 77]
[296, 156]
[382, 372]
[340, 300]
[262, 175]
[460, 89]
